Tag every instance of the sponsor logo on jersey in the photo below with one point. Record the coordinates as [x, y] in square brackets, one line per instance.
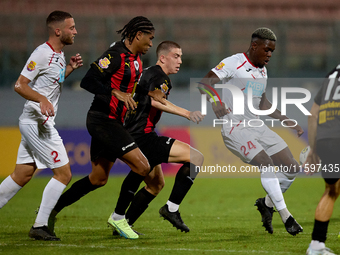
[31, 66]
[257, 88]
[62, 75]
[104, 63]
[219, 66]
[164, 88]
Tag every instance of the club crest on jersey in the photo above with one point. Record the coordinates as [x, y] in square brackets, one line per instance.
[31, 66]
[219, 66]
[104, 63]
[136, 64]
[164, 88]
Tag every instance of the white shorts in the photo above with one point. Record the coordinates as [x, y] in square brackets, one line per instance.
[247, 142]
[42, 145]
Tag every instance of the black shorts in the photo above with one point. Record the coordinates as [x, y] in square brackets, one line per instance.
[109, 140]
[329, 152]
[155, 148]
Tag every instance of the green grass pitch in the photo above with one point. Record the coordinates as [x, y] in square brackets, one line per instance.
[219, 212]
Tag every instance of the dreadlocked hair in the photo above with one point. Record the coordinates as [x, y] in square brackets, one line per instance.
[138, 23]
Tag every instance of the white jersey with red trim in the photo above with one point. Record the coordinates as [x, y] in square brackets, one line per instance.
[46, 69]
[240, 72]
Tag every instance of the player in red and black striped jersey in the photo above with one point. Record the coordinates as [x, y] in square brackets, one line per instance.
[112, 78]
[159, 149]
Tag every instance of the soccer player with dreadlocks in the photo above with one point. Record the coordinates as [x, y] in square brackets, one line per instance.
[112, 78]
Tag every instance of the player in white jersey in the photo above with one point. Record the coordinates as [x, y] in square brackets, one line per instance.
[252, 143]
[40, 82]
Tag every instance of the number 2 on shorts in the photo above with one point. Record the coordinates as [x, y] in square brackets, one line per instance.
[55, 155]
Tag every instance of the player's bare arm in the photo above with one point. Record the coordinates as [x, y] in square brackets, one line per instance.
[312, 157]
[219, 109]
[157, 95]
[75, 62]
[124, 97]
[169, 107]
[265, 105]
[24, 90]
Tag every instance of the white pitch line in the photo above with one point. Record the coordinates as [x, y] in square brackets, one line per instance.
[149, 248]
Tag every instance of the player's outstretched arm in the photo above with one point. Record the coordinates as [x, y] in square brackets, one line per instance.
[266, 105]
[75, 62]
[157, 95]
[174, 109]
[24, 90]
[219, 108]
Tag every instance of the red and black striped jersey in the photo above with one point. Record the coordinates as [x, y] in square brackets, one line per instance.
[144, 119]
[117, 69]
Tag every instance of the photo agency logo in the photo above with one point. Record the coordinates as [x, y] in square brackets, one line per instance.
[252, 89]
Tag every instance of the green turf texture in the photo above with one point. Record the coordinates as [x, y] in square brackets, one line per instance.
[219, 212]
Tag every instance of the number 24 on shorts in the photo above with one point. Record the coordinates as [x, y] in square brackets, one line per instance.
[246, 150]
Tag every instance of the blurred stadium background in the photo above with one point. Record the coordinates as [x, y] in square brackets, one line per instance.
[308, 34]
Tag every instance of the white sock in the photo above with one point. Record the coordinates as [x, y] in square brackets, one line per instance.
[285, 180]
[268, 201]
[51, 194]
[8, 188]
[316, 245]
[271, 185]
[284, 213]
[172, 206]
[116, 216]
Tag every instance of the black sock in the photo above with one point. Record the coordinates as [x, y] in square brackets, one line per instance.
[78, 190]
[127, 192]
[183, 183]
[138, 205]
[320, 231]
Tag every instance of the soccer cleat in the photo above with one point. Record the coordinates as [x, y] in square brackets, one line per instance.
[123, 228]
[292, 226]
[324, 251]
[266, 213]
[115, 232]
[42, 233]
[174, 218]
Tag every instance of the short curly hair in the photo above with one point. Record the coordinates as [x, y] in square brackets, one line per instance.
[264, 34]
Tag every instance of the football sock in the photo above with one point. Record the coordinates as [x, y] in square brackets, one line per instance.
[138, 205]
[268, 201]
[271, 185]
[285, 180]
[8, 188]
[316, 245]
[320, 231]
[172, 207]
[129, 187]
[116, 216]
[284, 213]
[183, 182]
[51, 194]
[78, 189]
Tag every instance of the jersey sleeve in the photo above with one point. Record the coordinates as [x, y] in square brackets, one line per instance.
[318, 97]
[98, 78]
[107, 64]
[161, 83]
[35, 64]
[226, 68]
